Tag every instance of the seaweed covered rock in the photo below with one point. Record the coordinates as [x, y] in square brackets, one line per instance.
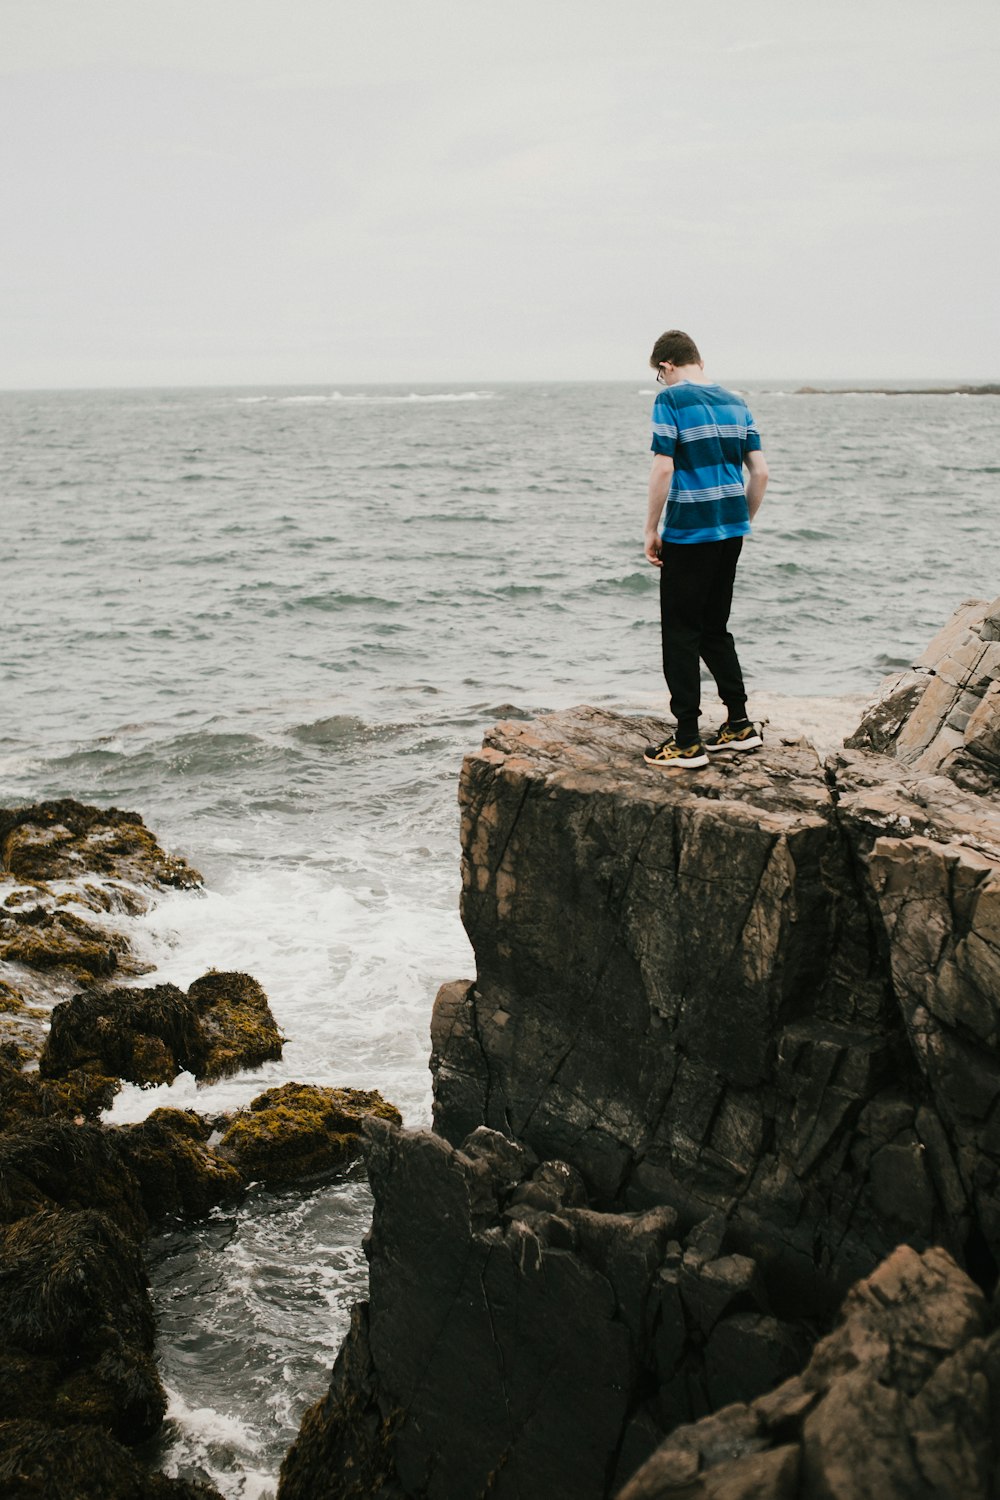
[42, 939]
[179, 1175]
[897, 1401]
[73, 1298]
[23, 1026]
[28, 1096]
[143, 1035]
[298, 1131]
[236, 1027]
[149, 1035]
[77, 1374]
[50, 1163]
[40, 1462]
[60, 840]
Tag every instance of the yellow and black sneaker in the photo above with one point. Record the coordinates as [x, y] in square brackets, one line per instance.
[741, 736]
[671, 755]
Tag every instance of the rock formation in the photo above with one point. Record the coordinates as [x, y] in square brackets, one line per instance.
[53, 841]
[69, 875]
[222, 1025]
[79, 1387]
[897, 1401]
[300, 1132]
[734, 1037]
[943, 713]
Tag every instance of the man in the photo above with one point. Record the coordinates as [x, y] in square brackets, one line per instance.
[703, 437]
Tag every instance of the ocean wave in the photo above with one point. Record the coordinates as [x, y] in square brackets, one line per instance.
[628, 583]
[340, 730]
[891, 663]
[334, 601]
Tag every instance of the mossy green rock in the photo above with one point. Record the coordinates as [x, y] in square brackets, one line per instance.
[65, 839]
[222, 1025]
[43, 940]
[179, 1175]
[237, 1029]
[301, 1131]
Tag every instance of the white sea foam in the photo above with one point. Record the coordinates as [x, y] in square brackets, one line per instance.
[382, 398]
[133, 1103]
[350, 974]
[210, 1441]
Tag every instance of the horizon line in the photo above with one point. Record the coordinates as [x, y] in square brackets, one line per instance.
[873, 381]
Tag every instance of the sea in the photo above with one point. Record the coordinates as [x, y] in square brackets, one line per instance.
[272, 621]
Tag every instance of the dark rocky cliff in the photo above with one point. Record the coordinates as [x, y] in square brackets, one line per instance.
[733, 1039]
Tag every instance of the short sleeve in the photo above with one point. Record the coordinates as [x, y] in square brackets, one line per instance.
[664, 426]
[752, 443]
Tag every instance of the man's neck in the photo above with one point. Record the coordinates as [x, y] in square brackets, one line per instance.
[695, 373]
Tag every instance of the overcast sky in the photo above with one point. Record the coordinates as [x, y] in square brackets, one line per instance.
[255, 191]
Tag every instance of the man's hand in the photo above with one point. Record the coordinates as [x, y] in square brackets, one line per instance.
[660, 475]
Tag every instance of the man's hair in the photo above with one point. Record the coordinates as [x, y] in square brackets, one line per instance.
[674, 348]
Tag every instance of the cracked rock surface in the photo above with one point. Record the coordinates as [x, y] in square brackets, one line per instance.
[770, 990]
[897, 1401]
[524, 1343]
[943, 713]
[752, 1016]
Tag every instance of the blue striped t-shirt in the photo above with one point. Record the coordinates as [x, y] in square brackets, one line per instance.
[706, 430]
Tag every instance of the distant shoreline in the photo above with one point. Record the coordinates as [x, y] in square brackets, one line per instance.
[871, 390]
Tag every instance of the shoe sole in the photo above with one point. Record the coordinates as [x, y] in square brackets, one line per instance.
[754, 744]
[694, 763]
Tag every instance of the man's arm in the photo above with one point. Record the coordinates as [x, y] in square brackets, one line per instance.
[660, 476]
[757, 482]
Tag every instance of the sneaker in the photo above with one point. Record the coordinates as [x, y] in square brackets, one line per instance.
[745, 736]
[687, 757]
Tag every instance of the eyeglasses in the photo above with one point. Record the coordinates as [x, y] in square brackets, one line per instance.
[661, 378]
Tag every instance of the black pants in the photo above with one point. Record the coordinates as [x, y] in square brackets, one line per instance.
[696, 593]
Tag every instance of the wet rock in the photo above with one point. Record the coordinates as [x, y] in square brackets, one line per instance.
[40, 1462]
[10, 1000]
[511, 1348]
[45, 940]
[344, 1445]
[178, 1174]
[77, 1374]
[61, 840]
[50, 1163]
[142, 1035]
[237, 1029]
[27, 1096]
[896, 1401]
[298, 1132]
[148, 1036]
[73, 1294]
[23, 1026]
